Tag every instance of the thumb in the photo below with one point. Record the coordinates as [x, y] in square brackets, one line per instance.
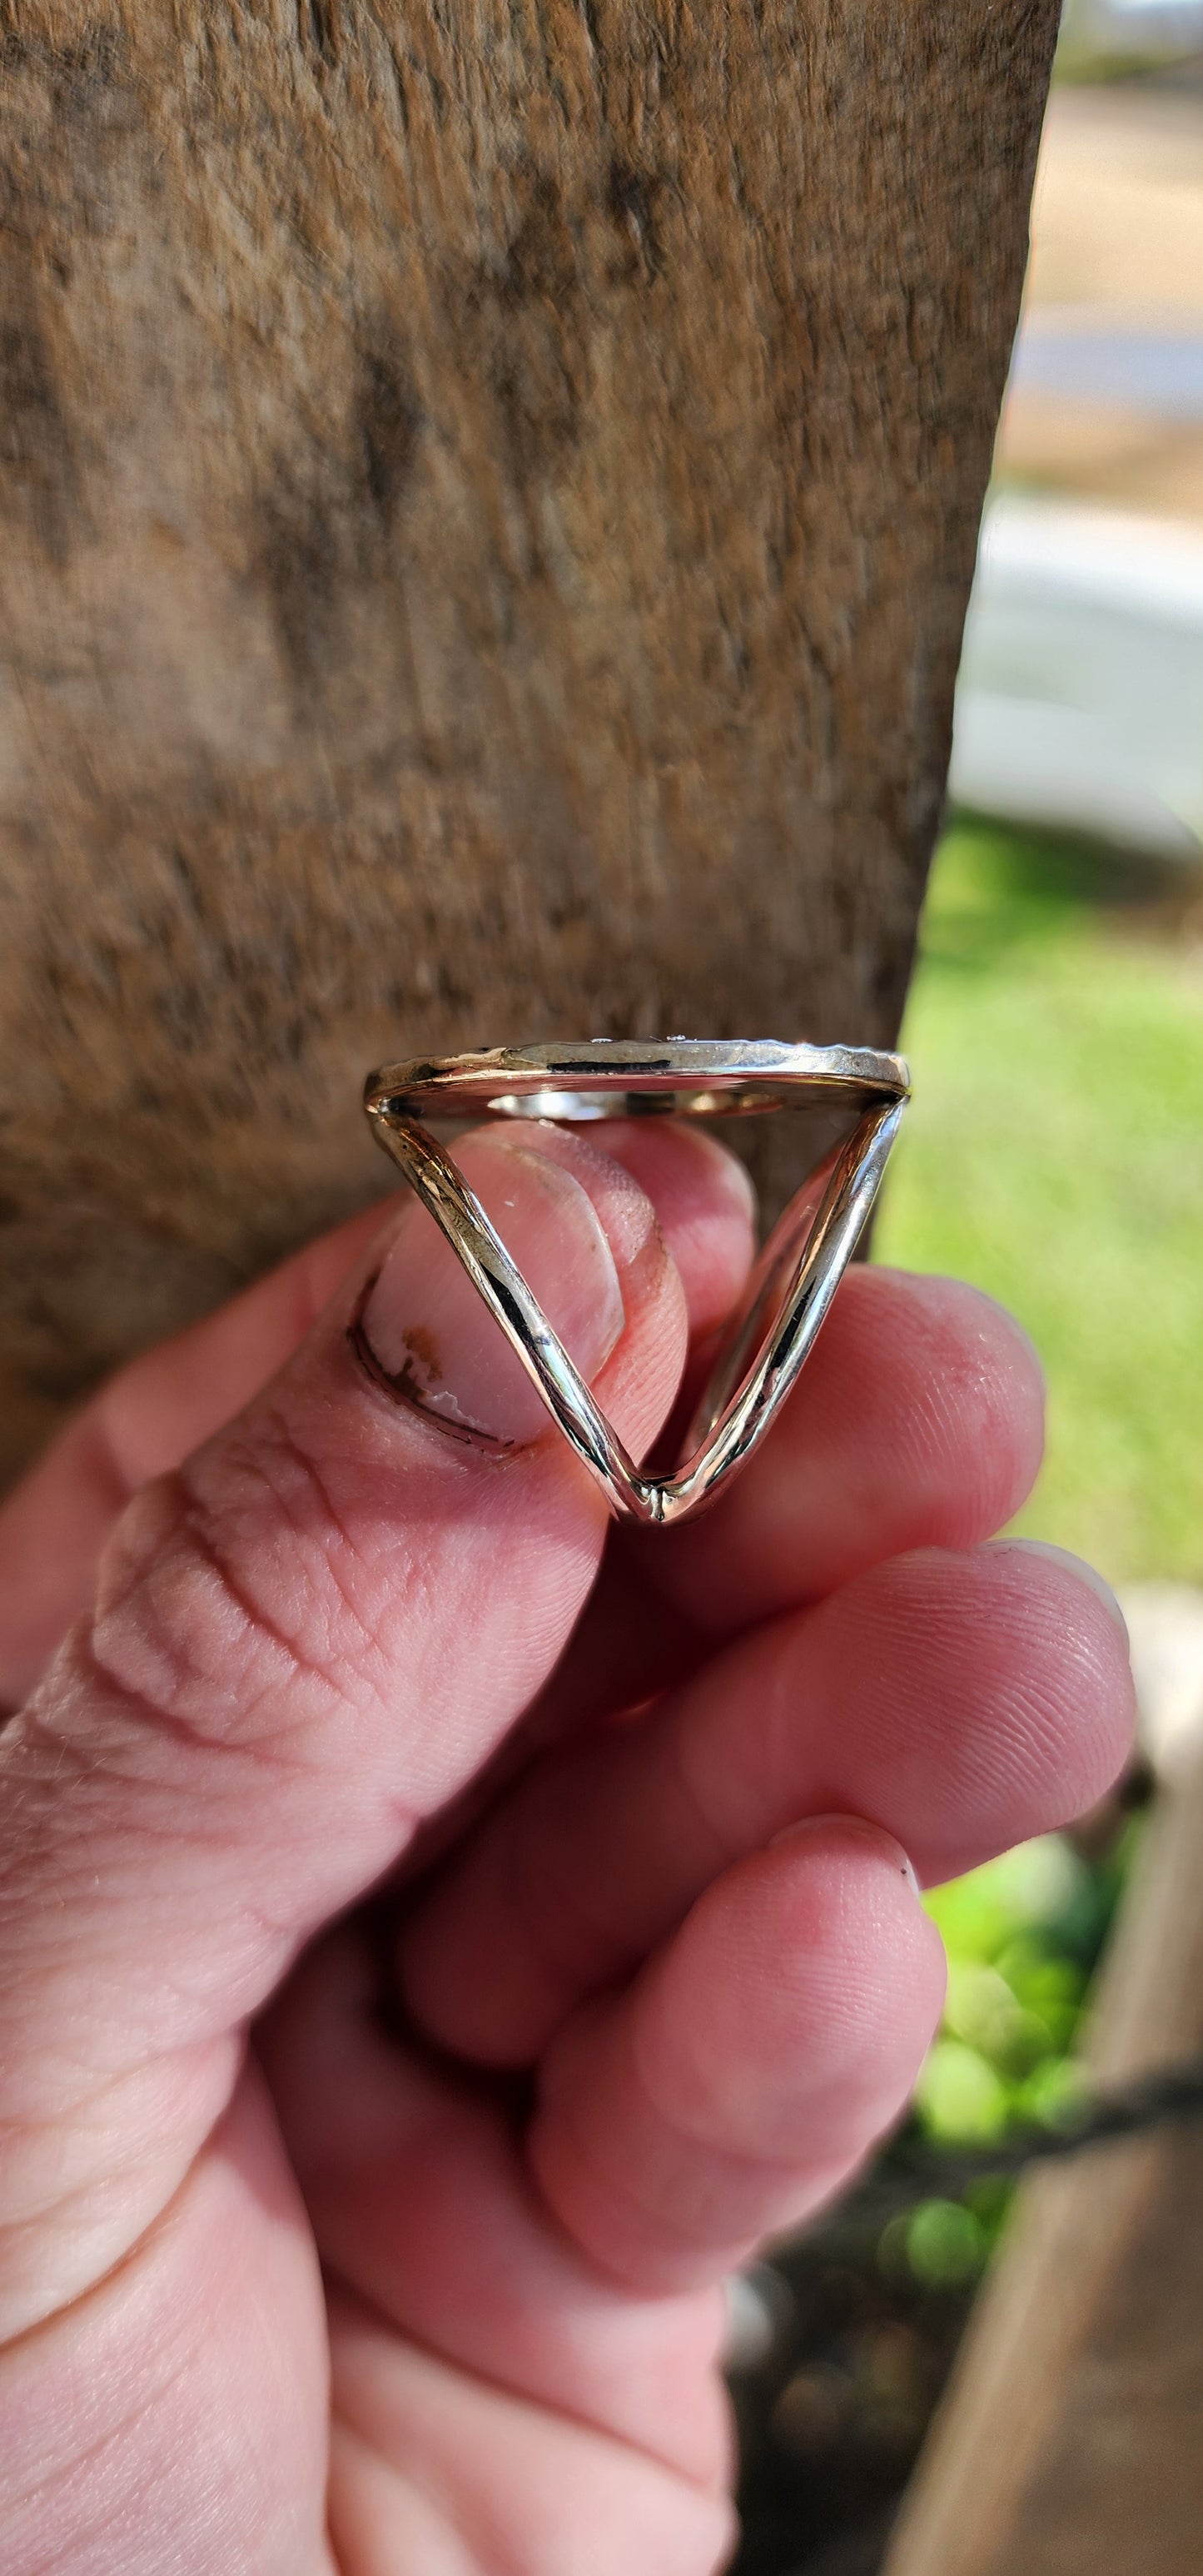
[304, 1641]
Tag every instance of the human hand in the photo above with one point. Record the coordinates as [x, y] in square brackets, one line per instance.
[552, 2017]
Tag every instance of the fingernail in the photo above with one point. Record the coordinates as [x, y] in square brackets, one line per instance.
[430, 1334]
[1075, 1565]
[884, 1842]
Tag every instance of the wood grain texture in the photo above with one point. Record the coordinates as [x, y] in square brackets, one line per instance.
[488, 492]
[1069, 2443]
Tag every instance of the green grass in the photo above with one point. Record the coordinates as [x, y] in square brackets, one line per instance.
[1054, 1155]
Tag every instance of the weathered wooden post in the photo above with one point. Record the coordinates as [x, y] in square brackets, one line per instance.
[1069, 2443]
[487, 501]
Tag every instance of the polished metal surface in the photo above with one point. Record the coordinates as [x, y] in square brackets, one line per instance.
[792, 1284]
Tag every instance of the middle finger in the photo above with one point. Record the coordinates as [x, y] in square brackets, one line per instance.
[961, 1702]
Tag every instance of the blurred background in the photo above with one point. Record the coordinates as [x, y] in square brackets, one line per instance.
[1055, 1156]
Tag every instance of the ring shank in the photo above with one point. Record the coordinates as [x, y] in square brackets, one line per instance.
[604, 1078]
[791, 1286]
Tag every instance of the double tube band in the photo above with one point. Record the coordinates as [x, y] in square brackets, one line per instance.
[792, 1284]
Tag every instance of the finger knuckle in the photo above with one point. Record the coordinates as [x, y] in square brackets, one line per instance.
[227, 1602]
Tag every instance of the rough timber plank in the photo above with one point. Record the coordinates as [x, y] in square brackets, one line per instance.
[1070, 2443]
[488, 491]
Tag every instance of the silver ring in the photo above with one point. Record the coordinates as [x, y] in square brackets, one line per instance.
[792, 1284]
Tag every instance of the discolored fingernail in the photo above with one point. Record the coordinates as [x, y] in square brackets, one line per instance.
[427, 1331]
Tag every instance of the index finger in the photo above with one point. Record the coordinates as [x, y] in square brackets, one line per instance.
[917, 1422]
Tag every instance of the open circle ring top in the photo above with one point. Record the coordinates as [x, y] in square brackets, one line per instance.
[794, 1279]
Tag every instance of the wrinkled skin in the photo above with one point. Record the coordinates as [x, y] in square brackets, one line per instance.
[399, 2051]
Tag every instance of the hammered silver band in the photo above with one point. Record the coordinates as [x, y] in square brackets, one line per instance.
[792, 1284]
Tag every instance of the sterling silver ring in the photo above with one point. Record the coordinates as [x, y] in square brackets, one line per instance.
[792, 1284]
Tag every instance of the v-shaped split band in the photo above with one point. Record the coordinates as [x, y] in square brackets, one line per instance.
[792, 1284]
